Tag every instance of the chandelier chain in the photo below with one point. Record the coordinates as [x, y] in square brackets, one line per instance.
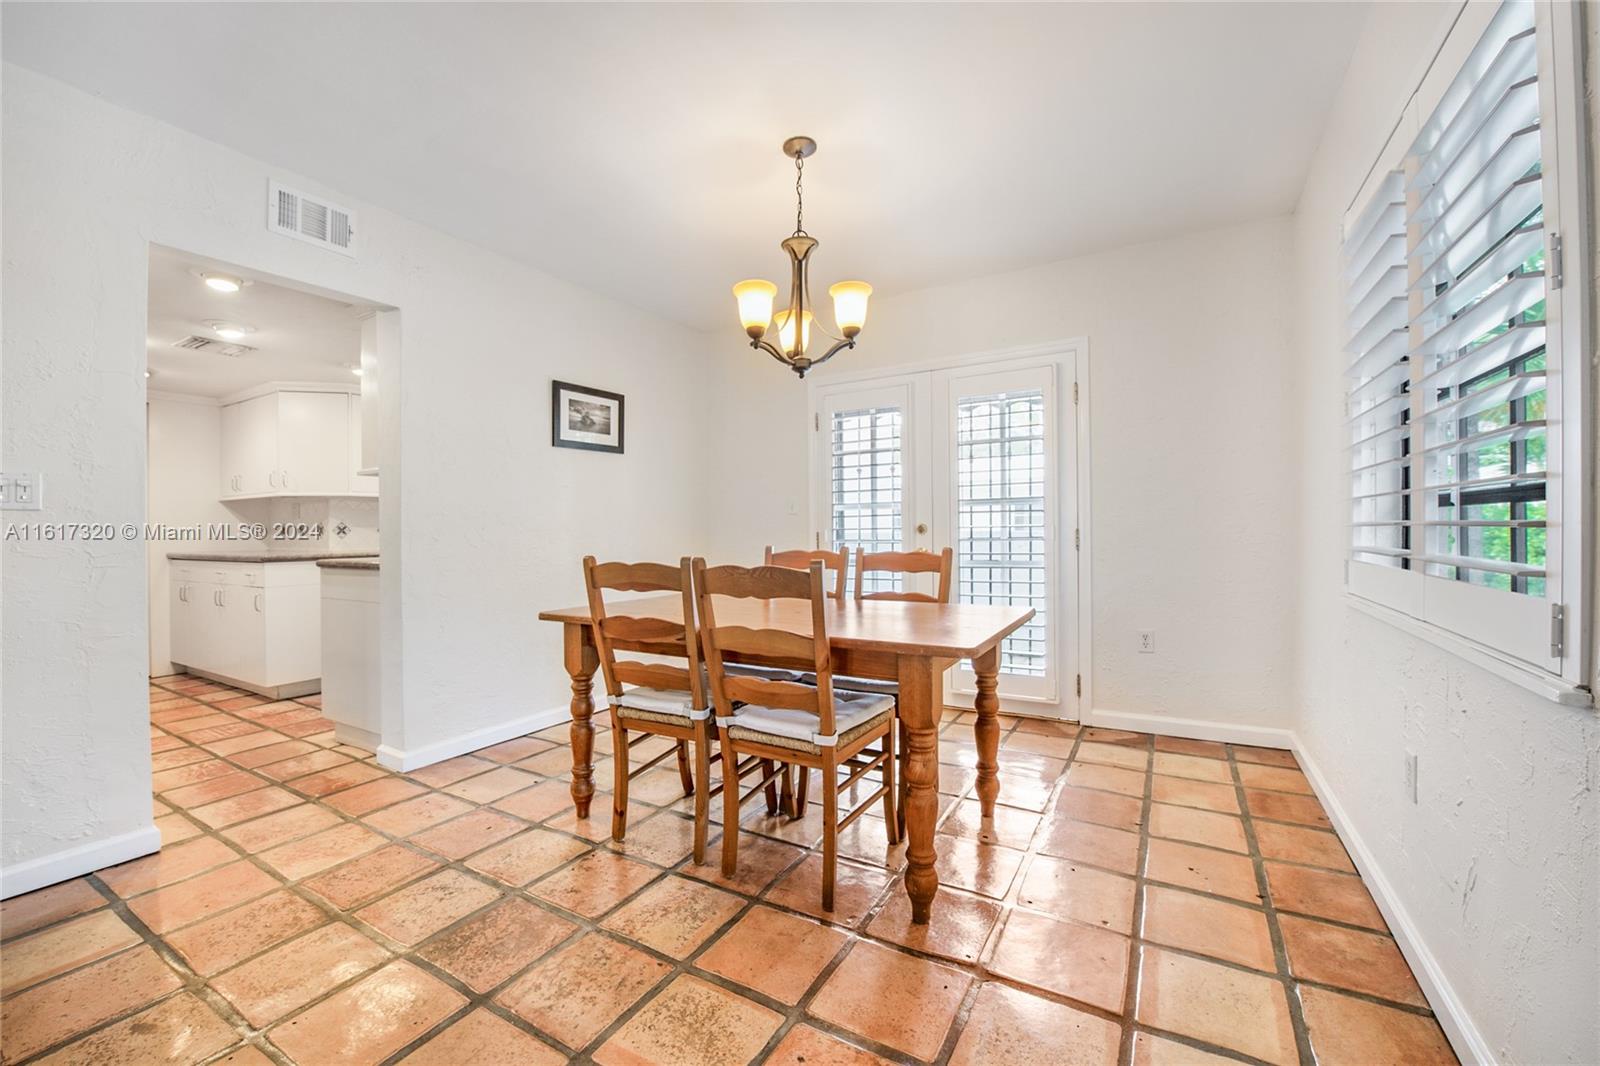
[799, 195]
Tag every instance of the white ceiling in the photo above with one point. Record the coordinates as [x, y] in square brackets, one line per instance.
[633, 149]
[298, 336]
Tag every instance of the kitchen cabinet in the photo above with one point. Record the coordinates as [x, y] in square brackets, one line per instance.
[292, 442]
[254, 625]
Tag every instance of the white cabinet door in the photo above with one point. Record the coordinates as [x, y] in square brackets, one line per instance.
[245, 628]
[185, 628]
[313, 443]
[360, 484]
[250, 447]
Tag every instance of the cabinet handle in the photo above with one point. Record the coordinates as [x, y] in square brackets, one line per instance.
[258, 603]
[272, 479]
[283, 476]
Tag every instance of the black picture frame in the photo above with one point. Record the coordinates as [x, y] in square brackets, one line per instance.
[562, 430]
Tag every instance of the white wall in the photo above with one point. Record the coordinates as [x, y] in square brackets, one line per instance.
[1193, 498]
[185, 441]
[1497, 867]
[493, 519]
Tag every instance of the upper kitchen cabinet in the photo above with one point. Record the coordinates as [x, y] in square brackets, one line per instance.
[292, 442]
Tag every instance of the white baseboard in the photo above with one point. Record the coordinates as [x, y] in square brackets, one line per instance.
[1465, 1039]
[460, 744]
[77, 860]
[1191, 728]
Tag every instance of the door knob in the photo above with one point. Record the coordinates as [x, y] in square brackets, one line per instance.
[922, 527]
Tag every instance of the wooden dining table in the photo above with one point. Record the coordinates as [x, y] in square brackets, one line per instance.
[912, 644]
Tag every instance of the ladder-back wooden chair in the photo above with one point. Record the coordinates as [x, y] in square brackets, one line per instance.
[670, 700]
[802, 558]
[809, 726]
[912, 562]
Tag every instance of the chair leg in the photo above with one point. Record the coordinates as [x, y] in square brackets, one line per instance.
[730, 808]
[702, 792]
[772, 786]
[786, 790]
[830, 826]
[903, 749]
[619, 790]
[890, 801]
[684, 774]
[802, 792]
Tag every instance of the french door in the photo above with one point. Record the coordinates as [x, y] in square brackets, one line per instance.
[972, 457]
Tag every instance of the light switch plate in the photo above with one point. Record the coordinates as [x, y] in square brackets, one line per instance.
[21, 492]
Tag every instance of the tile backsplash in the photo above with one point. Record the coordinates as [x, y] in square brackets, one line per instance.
[346, 523]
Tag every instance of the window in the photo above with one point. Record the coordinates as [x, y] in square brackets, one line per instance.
[867, 486]
[1000, 516]
[1460, 417]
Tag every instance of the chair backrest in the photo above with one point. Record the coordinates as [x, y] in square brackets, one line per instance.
[917, 562]
[778, 645]
[802, 558]
[655, 636]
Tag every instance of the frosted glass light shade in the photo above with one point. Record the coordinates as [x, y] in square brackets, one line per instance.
[850, 305]
[755, 305]
[786, 332]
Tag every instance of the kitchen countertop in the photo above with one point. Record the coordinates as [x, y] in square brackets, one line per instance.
[270, 557]
[367, 563]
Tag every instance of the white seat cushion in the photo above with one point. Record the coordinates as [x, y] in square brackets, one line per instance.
[850, 709]
[770, 673]
[857, 684]
[663, 701]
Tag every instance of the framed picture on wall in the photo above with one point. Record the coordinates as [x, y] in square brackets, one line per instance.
[581, 417]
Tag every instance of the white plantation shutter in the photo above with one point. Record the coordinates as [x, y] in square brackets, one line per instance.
[1378, 401]
[1452, 396]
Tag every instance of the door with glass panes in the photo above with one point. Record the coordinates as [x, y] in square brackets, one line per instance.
[972, 457]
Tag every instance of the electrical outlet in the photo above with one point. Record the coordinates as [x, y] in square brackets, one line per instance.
[1411, 775]
[1147, 641]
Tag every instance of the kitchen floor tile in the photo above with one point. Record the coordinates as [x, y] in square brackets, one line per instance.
[775, 953]
[1216, 1003]
[893, 999]
[421, 909]
[1068, 959]
[489, 947]
[692, 1021]
[370, 1020]
[1013, 1027]
[576, 993]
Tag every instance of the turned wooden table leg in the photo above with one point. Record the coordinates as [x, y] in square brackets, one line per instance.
[987, 729]
[581, 663]
[920, 694]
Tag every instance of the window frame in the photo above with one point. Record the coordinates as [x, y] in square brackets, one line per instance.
[1487, 625]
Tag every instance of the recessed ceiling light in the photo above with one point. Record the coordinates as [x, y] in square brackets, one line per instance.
[222, 282]
[231, 331]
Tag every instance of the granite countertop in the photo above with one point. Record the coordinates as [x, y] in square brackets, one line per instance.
[305, 556]
[369, 562]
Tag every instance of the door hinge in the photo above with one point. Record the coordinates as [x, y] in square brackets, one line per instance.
[816, 423]
[1077, 540]
[1553, 264]
[1074, 392]
[1080, 684]
[1558, 630]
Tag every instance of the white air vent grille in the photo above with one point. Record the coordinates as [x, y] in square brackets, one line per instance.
[311, 219]
[211, 344]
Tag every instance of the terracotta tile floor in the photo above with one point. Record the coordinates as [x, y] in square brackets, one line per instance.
[1149, 900]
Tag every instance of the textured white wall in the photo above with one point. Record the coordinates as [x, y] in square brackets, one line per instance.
[1193, 497]
[494, 519]
[185, 440]
[1498, 865]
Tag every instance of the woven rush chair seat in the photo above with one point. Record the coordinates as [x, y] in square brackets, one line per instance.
[855, 714]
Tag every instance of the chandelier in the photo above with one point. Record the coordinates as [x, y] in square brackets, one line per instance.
[755, 296]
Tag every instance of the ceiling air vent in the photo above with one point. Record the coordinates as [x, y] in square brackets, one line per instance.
[211, 344]
[310, 219]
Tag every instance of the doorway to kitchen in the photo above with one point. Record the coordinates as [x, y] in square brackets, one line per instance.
[263, 490]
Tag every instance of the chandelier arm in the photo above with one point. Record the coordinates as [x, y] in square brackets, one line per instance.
[835, 350]
[765, 346]
[816, 320]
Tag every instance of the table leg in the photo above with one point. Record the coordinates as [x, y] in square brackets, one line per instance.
[581, 662]
[987, 729]
[920, 695]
